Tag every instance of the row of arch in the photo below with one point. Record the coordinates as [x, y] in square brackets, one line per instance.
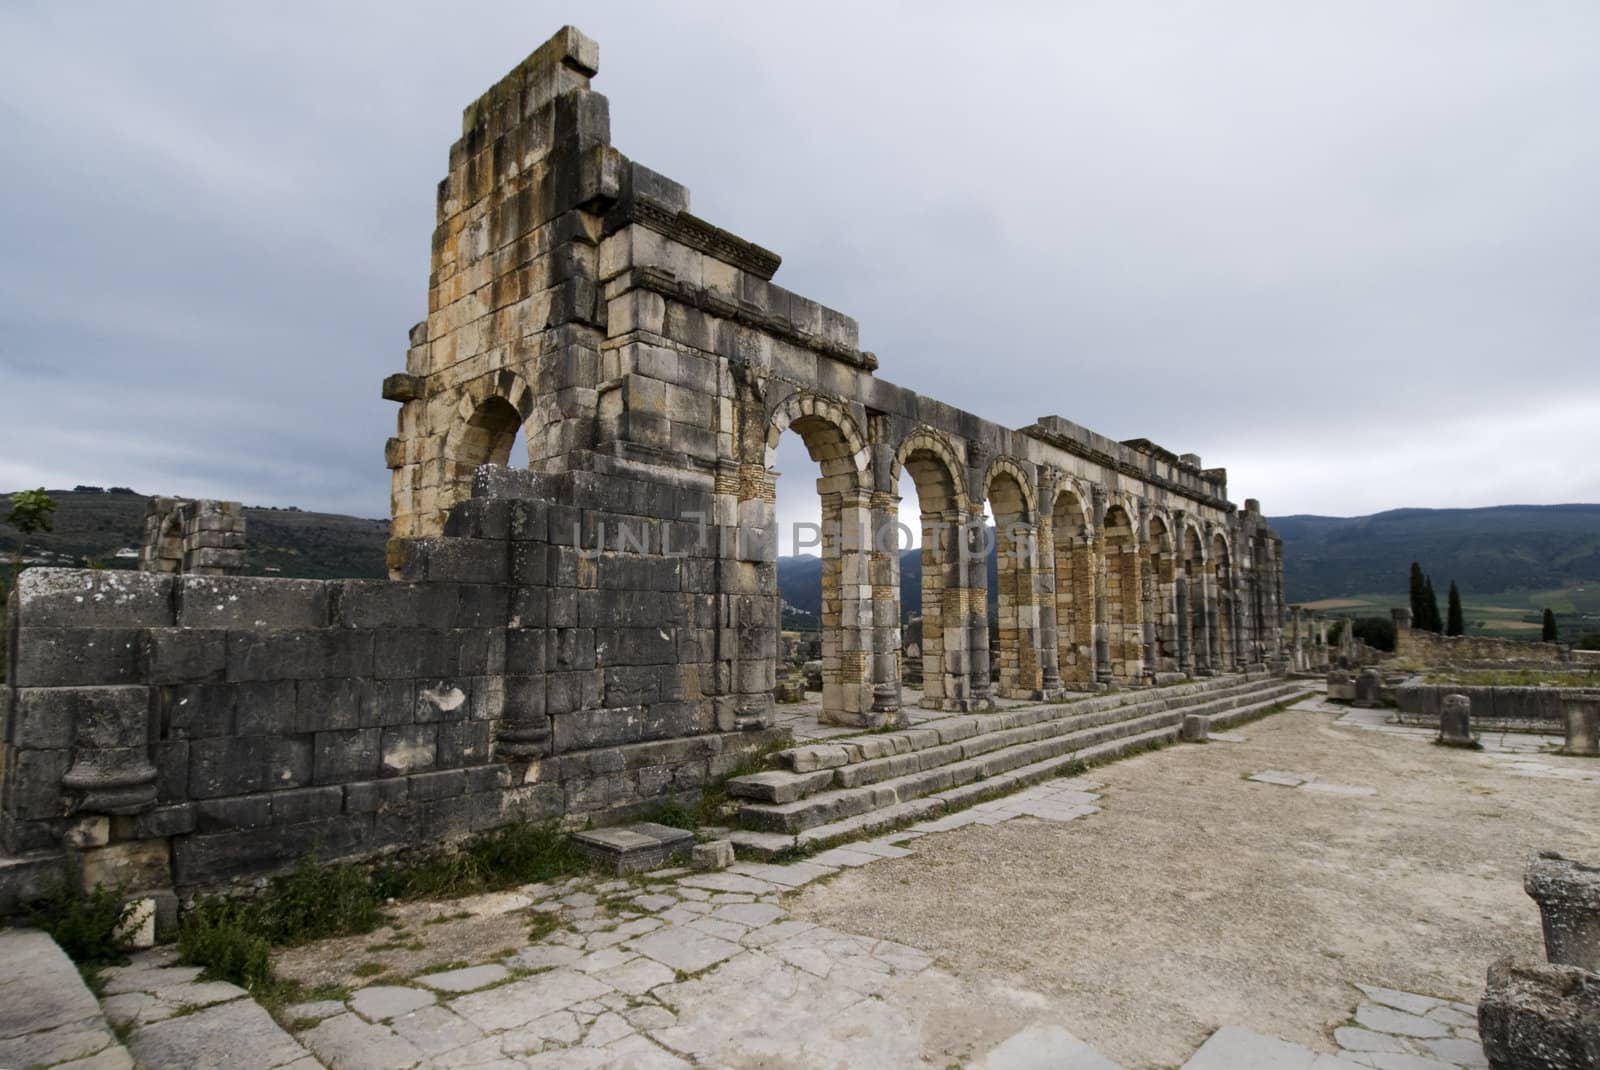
[1091, 586]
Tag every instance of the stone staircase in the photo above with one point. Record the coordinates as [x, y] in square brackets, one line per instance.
[854, 785]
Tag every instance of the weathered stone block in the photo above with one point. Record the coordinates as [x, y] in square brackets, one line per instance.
[249, 602]
[1535, 1016]
[374, 795]
[245, 764]
[199, 711]
[384, 604]
[299, 655]
[330, 703]
[346, 755]
[408, 749]
[77, 657]
[717, 854]
[306, 804]
[265, 708]
[636, 848]
[186, 655]
[89, 598]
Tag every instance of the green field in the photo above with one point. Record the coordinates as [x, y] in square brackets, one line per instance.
[1505, 614]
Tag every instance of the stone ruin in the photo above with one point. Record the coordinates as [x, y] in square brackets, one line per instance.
[201, 537]
[599, 631]
[1546, 1015]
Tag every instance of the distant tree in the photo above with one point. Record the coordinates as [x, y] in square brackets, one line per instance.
[1549, 633]
[1589, 641]
[32, 511]
[1435, 621]
[1419, 606]
[82, 489]
[1376, 632]
[1455, 625]
[122, 490]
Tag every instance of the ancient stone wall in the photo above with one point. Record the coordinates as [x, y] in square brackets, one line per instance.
[202, 537]
[1514, 709]
[1432, 649]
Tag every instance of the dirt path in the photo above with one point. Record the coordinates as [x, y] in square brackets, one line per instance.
[1198, 899]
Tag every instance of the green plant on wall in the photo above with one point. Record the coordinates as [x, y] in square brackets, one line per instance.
[32, 511]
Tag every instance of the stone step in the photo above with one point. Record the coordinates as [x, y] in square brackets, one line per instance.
[838, 803]
[959, 798]
[854, 749]
[889, 815]
[1291, 691]
[1024, 726]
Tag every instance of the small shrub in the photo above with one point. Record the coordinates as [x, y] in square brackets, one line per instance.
[86, 926]
[522, 853]
[317, 901]
[219, 935]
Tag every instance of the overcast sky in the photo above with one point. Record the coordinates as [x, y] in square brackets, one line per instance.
[1349, 251]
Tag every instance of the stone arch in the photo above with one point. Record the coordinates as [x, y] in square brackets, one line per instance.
[1122, 609]
[938, 665]
[833, 439]
[1018, 623]
[489, 412]
[1160, 594]
[831, 434]
[1024, 504]
[1072, 553]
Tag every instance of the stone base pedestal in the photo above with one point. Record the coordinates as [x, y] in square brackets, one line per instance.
[1583, 727]
[1196, 728]
[1535, 1016]
[635, 848]
[1568, 894]
[1455, 723]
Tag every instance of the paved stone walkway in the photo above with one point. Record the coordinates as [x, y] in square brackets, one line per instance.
[1392, 1031]
[171, 1018]
[48, 1016]
[679, 968]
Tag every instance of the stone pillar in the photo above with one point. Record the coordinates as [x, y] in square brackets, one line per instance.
[848, 654]
[945, 633]
[1455, 722]
[111, 771]
[1583, 725]
[975, 580]
[1568, 894]
[1185, 636]
[1368, 689]
[885, 576]
[1099, 563]
[1044, 591]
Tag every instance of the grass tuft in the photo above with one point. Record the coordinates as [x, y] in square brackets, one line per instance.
[85, 925]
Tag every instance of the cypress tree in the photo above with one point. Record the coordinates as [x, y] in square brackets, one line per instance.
[1431, 603]
[1419, 611]
[1550, 634]
[1454, 625]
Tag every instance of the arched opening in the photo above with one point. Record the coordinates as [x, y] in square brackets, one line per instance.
[830, 555]
[1123, 612]
[1074, 589]
[934, 640]
[1161, 587]
[1196, 596]
[1016, 626]
[488, 435]
[1223, 617]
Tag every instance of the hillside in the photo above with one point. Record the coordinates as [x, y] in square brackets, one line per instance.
[1486, 551]
[91, 524]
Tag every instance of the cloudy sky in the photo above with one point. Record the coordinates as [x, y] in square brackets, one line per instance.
[1349, 251]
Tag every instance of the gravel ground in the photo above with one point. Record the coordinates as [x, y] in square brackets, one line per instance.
[1198, 899]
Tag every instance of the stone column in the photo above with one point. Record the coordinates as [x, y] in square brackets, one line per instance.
[847, 656]
[1202, 625]
[1568, 894]
[975, 581]
[1044, 591]
[1185, 637]
[1099, 563]
[111, 771]
[885, 576]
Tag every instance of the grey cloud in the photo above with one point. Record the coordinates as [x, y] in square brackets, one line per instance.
[1322, 247]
